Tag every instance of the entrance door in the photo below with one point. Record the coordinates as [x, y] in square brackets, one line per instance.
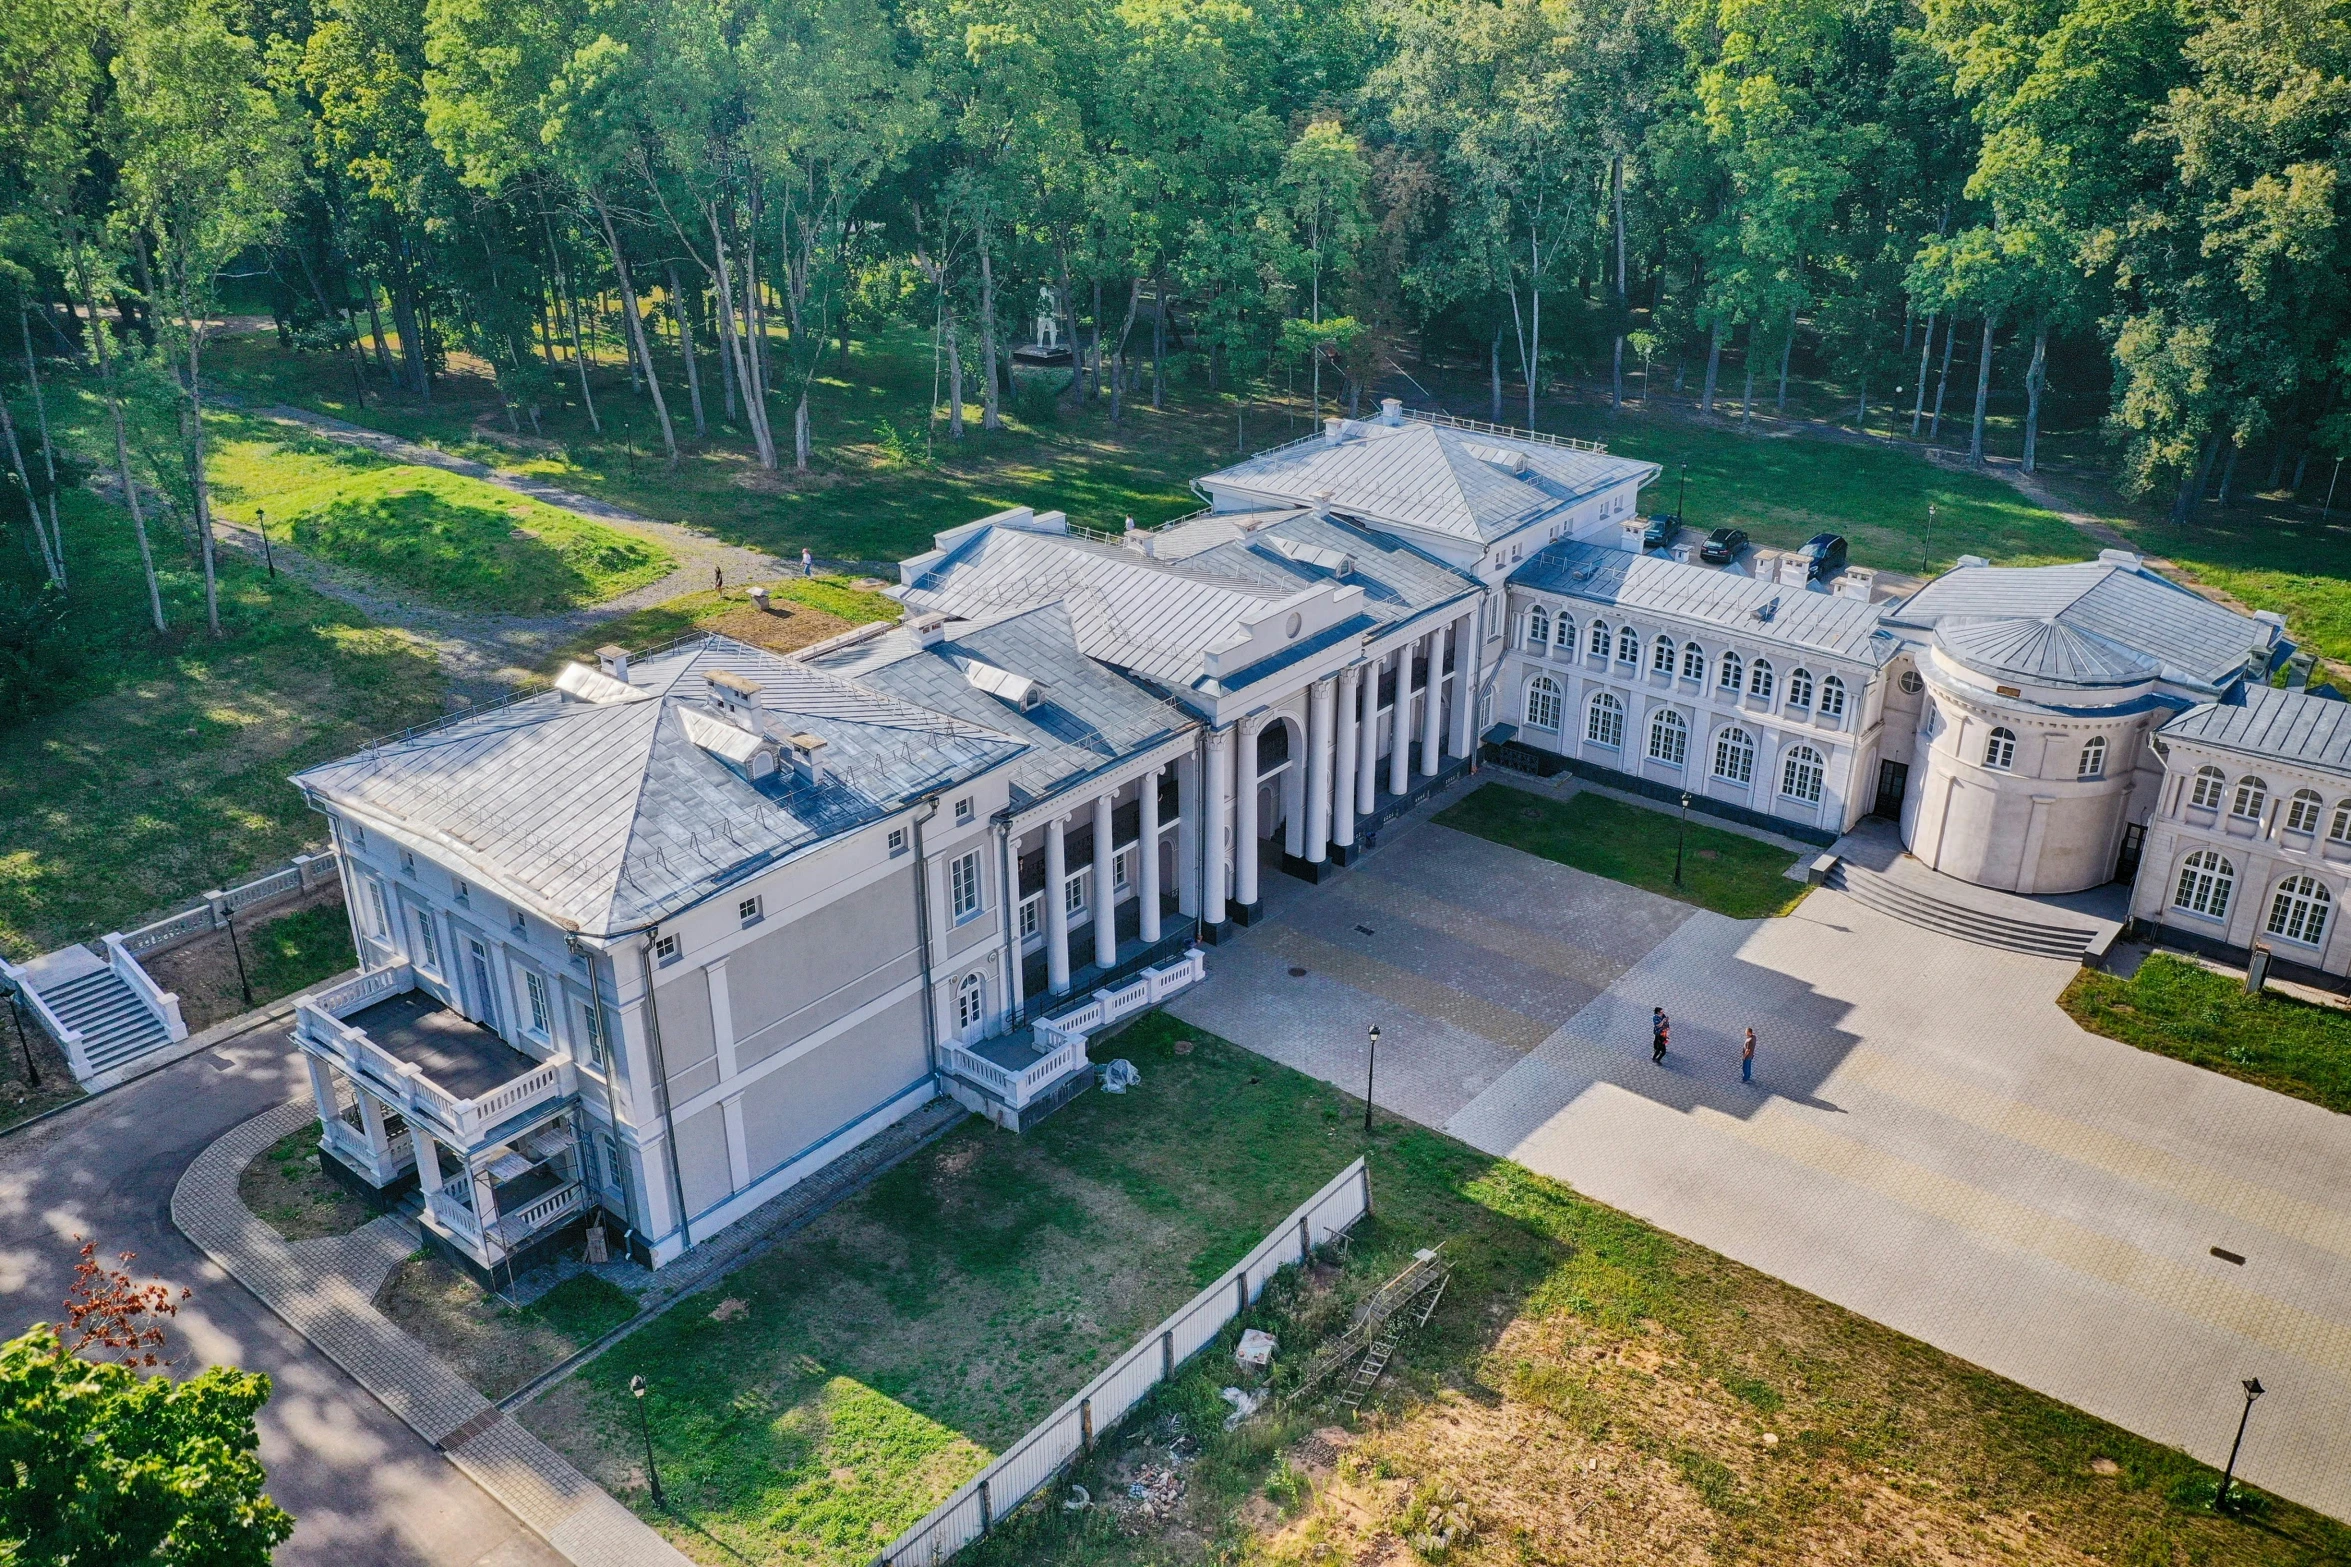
[1893, 784]
[484, 994]
[2134, 843]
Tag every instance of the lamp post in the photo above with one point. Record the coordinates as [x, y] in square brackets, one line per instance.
[637, 1391]
[2253, 1390]
[1926, 548]
[244, 985]
[1681, 499]
[1371, 1069]
[1681, 831]
[23, 1042]
[261, 522]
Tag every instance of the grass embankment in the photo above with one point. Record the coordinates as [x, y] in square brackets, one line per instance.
[495, 1346]
[287, 1190]
[1591, 1389]
[804, 611]
[2178, 1009]
[1723, 871]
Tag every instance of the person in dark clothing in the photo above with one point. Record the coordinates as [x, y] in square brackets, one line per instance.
[1747, 1059]
[1659, 1027]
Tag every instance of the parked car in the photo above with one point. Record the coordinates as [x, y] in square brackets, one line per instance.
[1823, 555]
[1659, 534]
[1722, 546]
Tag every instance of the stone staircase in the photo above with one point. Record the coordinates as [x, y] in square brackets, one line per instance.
[116, 1026]
[2068, 941]
[107, 1025]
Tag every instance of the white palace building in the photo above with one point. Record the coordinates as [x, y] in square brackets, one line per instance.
[654, 945]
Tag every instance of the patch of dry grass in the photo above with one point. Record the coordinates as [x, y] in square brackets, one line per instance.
[288, 1191]
[492, 1345]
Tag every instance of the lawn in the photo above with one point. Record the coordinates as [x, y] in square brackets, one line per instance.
[287, 1190]
[283, 951]
[494, 1346]
[803, 611]
[1723, 871]
[1591, 1389]
[2180, 1009]
[158, 766]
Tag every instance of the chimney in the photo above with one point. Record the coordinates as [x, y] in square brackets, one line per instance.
[1322, 503]
[734, 696]
[615, 660]
[1391, 410]
[805, 761]
[1333, 430]
[928, 630]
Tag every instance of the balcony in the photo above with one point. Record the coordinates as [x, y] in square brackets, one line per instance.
[1019, 1078]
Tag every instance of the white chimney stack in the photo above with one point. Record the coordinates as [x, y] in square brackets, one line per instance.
[1391, 410]
[1333, 430]
[615, 660]
[929, 630]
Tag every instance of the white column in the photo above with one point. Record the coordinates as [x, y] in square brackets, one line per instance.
[1105, 887]
[1318, 771]
[371, 1122]
[1147, 845]
[1400, 725]
[1432, 710]
[1467, 650]
[1188, 835]
[1245, 810]
[1367, 759]
[322, 1088]
[1015, 980]
[428, 1161]
[1219, 779]
[1343, 768]
[1056, 911]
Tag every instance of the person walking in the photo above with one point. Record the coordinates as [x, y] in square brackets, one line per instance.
[1659, 1027]
[807, 562]
[1747, 1059]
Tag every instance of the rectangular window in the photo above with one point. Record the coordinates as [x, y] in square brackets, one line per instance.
[963, 886]
[428, 950]
[517, 924]
[540, 1015]
[897, 841]
[963, 810]
[1073, 893]
[354, 835]
[666, 949]
[383, 913]
[592, 1031]
[1032, 914]
[460, 890]
[407, 863]
[1122, 867]
[750, 911]
[615, 1173]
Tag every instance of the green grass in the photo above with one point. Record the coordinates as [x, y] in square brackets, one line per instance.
[729, 613]
[2178, 1009]
[1722, 871]
[298, 950]
[583, 1308]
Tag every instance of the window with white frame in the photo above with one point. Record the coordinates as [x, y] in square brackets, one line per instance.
[428, 946]
[354, 835]
[963, 810]
[2339, 830]
[383, 910]
[1912, 683]
[407, 863]
[460, 891]
[1032, 914]
[1073, 893]
[667, 948]
[517, 924]
[1801, 775]
[609, 1176]
[1733, 674]
[1669, 738]
[2206, 880]
[2000, 749]
[1543, 704]
[1538, 630]
[2304, 810]
[1734, 756]
[897, 841]
[2206, 791]
[1832, 699]
[2252, 795]
[592, 1030]
[1661, 656]
[2093, 762]
[2298, 910]
[1599, 644]
[1800, 688]
[1122, 869]
[1759, 680]
[1604, 722]
[1693, 663]
[1628, 646]
[542, 1015]
[1563, 636]
[970, 1003]
[750, 910]
[963, 886]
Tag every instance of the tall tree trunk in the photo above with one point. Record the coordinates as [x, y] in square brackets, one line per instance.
[2032, 391]
[1747, 397]
[1118, 369]
[754, 409]
[636, 326]
[1067, 299]
[1943, 381]
[410, 323]
[954, 369]
[2301, 467]
[122, 445]
[1983, 389]
[50, 566]
[1623, 302]
[2191, 490]
[1495, 414]
[375, 330]
[1713, 369]
[1918, 405]
[1787, 351]
[800, 432]
[1094, 371]
[677, 308]
[1159, 341]
[570, 305]
[2228, 475]
[32, 374]
[202, 482]
[991, 406]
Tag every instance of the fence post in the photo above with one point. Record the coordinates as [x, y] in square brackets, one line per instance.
[1305, 1242]
[218, 902]
[1167, 1356]
[1241, 1282]
[1086, 1423]
[1367, 1188]
[987, 1513]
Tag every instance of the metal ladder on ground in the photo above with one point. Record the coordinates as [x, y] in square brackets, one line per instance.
[1379, 1327]
[1400, 1322]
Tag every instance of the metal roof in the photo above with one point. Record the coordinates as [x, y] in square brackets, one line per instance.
[611, 815]
[2041, 652]
[2257, 720]
[2195, 641]
[1088, 715]
[1738, 606]
[1476, 484]
[1278, 549]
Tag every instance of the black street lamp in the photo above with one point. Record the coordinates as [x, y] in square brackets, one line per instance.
[261, 521]
[1681, 831]
[23, 1042]
[637, 1391]
[1681, 500]
[243, 984]
[1370, 1070]
[1926, 549]
[2253, 1390]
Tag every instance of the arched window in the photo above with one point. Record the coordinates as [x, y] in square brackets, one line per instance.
[1734, 673]
[1563, 636]
[1662, 655]
[2298, 912]
[2339, 830]
[2304, 810]
[1800, 776]
[2093, 764]
[2205, 882]
[1604, 722]
[1538, 629]
[2000, 749]
[1543, 703]
[1628, 646]
[1832, 698]
[970, 1003]
[1693, 663]
[1759, 679]
[1734, 756]
[1599, 639]
[2211, 782]
[2252, 795]
[1669, 738]
[1800, 688]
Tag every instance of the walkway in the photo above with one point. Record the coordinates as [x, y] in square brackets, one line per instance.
[1930, 1141]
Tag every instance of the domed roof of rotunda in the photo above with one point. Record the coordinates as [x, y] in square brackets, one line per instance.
[2041, 651]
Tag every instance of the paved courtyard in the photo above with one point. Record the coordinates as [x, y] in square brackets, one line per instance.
[1929, 1141]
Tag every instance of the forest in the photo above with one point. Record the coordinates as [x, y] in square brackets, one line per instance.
[1231, 195]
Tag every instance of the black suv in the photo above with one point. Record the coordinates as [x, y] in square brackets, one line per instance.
[1824, 555]
[1722, 546]
[1659, 534]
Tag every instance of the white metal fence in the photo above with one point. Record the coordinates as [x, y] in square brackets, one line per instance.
[1031, 1463]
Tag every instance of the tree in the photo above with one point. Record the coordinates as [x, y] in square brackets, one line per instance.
[1322, 183]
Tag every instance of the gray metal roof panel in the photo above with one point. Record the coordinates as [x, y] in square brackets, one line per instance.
[2195, 640]
[1398, 580]
[2042, 651]
[1603, 574]
[2257, 720]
